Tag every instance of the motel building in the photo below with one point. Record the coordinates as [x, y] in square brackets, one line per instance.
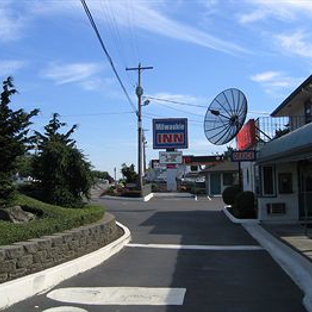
[281, 176]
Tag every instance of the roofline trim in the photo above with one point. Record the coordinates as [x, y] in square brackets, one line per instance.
[291, 96]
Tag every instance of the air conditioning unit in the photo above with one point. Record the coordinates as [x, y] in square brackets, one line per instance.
[276, 208]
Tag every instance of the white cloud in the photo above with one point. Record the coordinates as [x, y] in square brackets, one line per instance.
[82, 73]
[285, 10]
[149, 16]
[266, 76]
[9, 67]
[298, 43]
[274, 82]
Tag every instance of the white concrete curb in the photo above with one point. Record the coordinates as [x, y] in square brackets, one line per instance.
[20, 289]
[174, 195]
[146, 198]
[236, 220]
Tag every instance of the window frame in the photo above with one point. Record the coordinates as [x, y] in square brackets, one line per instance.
[273, 182]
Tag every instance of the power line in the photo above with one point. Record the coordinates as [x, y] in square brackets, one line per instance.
[180, 110]
[89, 15]
[174, 101]
[194, 105]
[96, 114]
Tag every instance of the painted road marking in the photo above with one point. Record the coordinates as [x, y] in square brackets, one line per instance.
[65, 309]
[198, 247]
[119, 295]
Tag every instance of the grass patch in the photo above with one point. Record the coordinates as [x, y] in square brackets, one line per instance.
[53, 219]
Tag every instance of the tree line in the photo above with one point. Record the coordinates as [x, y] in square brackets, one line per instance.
[64, 176]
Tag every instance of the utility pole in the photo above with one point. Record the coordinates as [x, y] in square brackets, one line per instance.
[144, 142]
[139, 93]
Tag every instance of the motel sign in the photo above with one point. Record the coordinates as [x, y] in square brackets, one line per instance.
[170, 133]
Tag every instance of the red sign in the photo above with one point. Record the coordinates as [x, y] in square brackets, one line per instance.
[171, 166]
[164, 138]
[246, 137]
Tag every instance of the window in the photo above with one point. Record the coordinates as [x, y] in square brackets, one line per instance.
[307, 112]
[284, 183]
[268, 182]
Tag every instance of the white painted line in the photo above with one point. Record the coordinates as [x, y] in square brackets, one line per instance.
[22, 288]
[119, 295]
[198, 247]
[65, 309]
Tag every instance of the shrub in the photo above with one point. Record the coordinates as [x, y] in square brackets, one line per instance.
[244, 205]
[52, 219]
[230, 193]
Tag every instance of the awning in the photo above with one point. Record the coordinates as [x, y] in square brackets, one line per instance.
[221, 167]
[294, 146]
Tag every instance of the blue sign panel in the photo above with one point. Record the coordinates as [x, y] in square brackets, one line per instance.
[170, 133]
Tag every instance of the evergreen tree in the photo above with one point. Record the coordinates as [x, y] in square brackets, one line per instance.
[64, 173]
[14, 140]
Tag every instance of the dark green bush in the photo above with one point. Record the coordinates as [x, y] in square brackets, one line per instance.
[244, 205]
[229, 194]
[52, 219]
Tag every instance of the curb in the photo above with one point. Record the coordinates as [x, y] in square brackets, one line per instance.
[150, 196]
[236, 220]
[297, 267]
[22, 288]
[146, 198]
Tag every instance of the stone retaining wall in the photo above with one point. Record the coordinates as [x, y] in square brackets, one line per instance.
[34, 255]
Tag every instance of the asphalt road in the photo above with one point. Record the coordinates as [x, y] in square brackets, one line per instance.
[187, 248]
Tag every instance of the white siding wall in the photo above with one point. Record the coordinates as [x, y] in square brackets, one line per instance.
[291, 200]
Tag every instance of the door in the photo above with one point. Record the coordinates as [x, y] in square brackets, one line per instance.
[305, 190]
[215, 184]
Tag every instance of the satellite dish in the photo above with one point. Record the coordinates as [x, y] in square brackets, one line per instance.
[225, 116]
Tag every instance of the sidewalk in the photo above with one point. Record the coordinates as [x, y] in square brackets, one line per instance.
[294, 236]
[288, 246]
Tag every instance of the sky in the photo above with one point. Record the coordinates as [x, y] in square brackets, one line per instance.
[197, 49]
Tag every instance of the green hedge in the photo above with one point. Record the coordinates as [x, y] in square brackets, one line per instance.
[53, 219]
[229, 194]
[244, 205]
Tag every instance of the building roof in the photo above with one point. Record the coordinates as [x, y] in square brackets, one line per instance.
[226, 166]
[293, 146]
[299, 95]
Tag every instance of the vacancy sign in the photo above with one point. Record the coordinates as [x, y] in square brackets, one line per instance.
[170, 133]
[170, 157]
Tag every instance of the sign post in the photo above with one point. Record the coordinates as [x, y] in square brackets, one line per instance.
[170, 134]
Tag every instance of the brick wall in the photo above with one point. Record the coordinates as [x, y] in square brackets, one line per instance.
[37, 254]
